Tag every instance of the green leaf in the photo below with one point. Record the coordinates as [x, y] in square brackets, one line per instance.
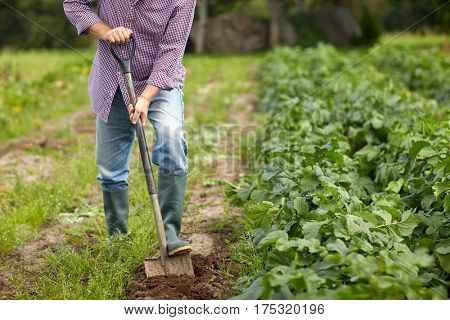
[433, 223]
[444, 261]
[417, 146]
[356, 225]
[426, 152]
[271, 238]
[260, 214]
[407, 225]
[363, 245]
[443, 247]
[306, 279]
[340, 231]
[385, 282]
[313, 245]
[370, 152]
[395, 186]
[447, 203]
[310, 229]
[422, 258]
[278, 276]
[260, 195]
[301, 205]
[377, 123]
[253, 292]
[338, 245]
[270, 172]
[361, 266]
[441, 187]
[335, 156]
[386, 216]
[308, 180]
[427, 201]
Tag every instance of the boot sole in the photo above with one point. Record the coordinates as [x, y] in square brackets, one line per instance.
[180, 251]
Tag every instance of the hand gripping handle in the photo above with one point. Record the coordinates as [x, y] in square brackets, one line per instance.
[125, 63]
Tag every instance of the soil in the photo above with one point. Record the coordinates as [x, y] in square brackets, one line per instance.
[27, 167]
[28, 259]
[210, 281]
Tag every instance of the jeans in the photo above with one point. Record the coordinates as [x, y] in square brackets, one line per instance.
[115, 139]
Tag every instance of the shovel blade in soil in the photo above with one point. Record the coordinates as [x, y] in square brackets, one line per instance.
[177, 265]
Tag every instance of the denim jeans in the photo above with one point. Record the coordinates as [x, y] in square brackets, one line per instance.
[115, 139]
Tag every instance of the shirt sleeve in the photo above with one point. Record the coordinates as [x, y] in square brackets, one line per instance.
[172, 46]
[81, 14]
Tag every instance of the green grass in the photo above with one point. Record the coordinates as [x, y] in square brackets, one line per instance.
[36, 88]
[412, 39]
[28, 206]
[100, 266]
[32, 65]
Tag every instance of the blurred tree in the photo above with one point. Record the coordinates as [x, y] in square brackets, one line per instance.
[202, 18]
[370, 29]
[35, 24]
[404, 13]
[276, 12]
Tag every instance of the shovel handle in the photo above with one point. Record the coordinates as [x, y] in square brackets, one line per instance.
[125, 64]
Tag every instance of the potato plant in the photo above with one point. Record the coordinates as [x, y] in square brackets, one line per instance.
[350, 194]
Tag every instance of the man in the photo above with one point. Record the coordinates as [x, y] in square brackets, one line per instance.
[161, 30]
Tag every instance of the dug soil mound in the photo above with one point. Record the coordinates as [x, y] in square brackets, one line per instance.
[214, 279]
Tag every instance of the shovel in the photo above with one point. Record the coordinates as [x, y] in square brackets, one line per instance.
[176, 265]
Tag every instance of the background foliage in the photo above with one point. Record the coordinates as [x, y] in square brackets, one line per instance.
[23, 20]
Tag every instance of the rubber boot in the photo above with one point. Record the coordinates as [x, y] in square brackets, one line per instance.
[116, 211]
[171, 189]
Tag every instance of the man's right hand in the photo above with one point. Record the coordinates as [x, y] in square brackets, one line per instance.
[118, 35]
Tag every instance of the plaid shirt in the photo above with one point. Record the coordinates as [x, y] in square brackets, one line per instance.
[160, 28]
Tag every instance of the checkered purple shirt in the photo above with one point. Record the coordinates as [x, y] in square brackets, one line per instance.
[160, 28]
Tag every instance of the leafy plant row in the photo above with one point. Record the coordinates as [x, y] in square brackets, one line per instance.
[350, 195]
[426, 71]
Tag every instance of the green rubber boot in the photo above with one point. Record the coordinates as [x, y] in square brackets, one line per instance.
[116, 211]
[171, 190]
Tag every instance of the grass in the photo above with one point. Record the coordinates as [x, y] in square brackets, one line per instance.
[25, 207]
[415, 40]
[36, 88]
[102, 267]
[32, 65]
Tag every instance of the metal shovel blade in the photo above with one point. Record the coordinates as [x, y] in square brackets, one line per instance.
[176, 265]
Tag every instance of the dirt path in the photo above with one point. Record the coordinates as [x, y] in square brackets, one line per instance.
[208, 224]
